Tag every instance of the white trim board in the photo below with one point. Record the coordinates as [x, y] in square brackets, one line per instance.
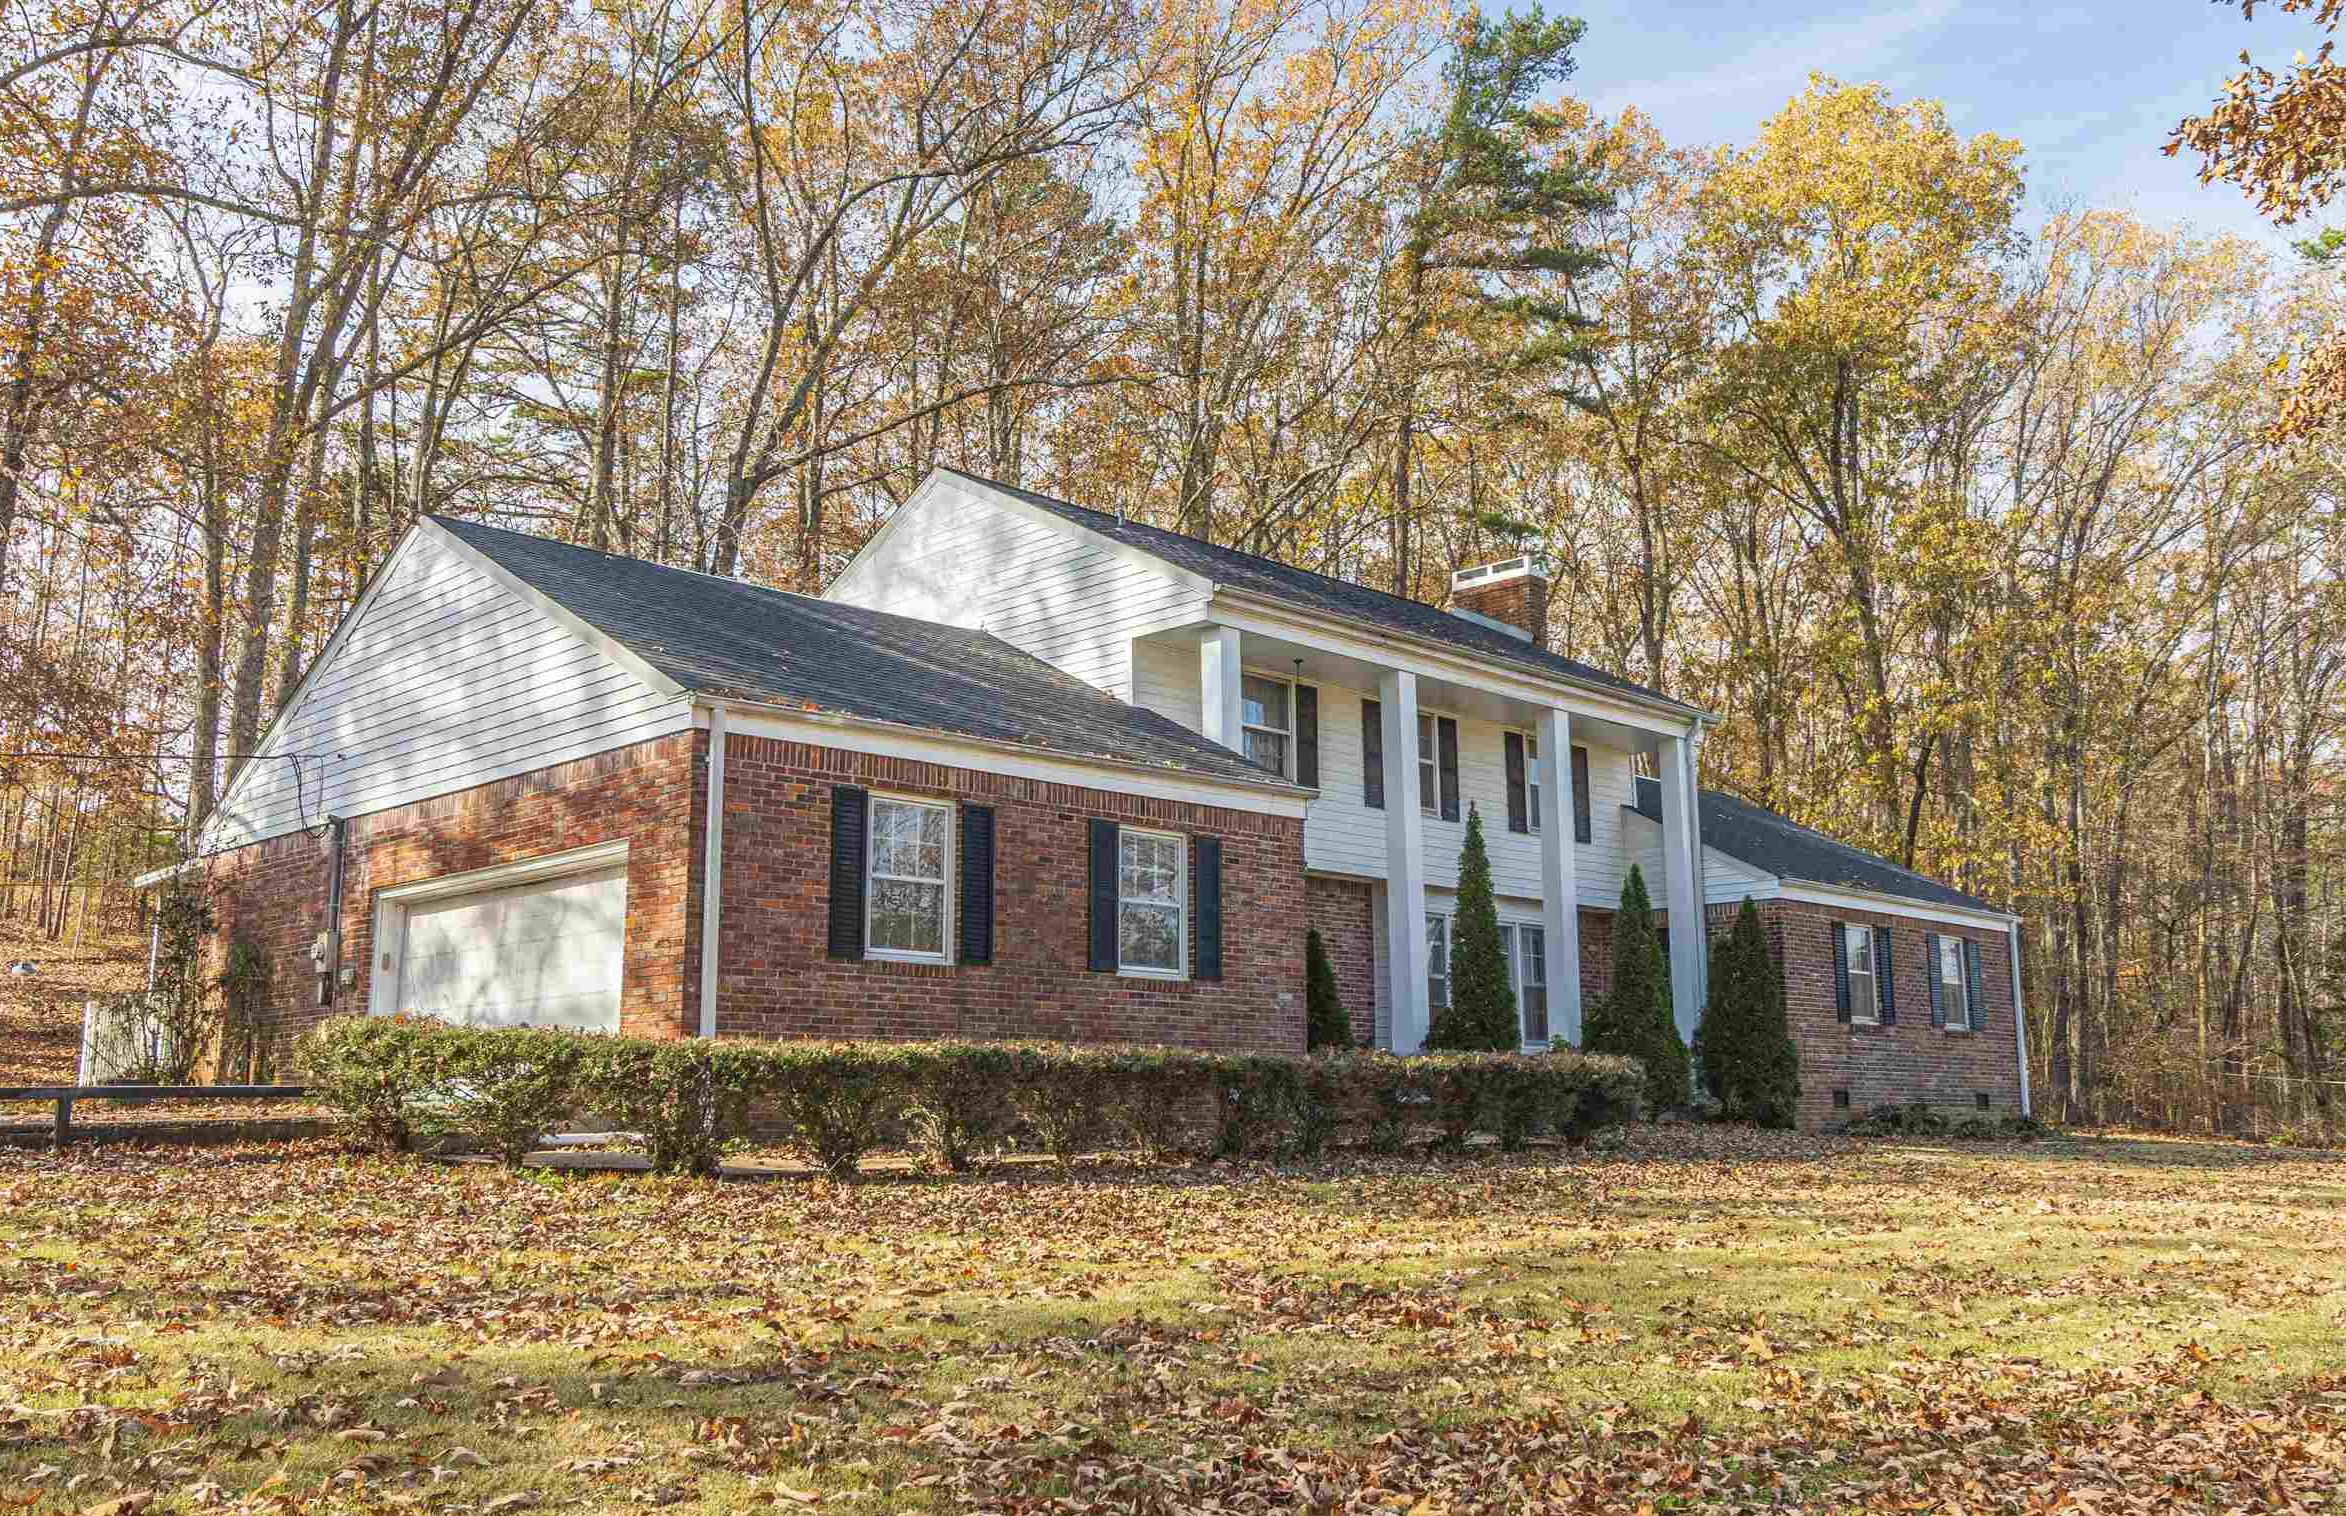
[886, 741]
[1846, 898]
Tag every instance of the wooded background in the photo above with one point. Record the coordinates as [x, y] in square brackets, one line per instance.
[1971, 519]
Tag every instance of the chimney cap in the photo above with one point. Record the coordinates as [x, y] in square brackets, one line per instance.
[1531, 565]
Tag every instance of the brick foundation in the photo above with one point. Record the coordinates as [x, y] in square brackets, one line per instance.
[777, 978]
[1343, 911]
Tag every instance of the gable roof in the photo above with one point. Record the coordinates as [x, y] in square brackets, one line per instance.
[1780, 846]
[726, 639]
[1250, 573]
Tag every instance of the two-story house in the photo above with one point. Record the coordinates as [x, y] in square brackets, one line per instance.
[1031, 769]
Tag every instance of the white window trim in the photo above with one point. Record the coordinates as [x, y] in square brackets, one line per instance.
[1180, 841]
[1286, 770]
[1959, 1007]
[392, 905]
[871, 840]
[1515, 978]
[1871, 971]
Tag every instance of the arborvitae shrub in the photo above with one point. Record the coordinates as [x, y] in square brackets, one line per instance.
[1634, 1019]
[1325, 1023]
[1744, 1047]
[1480, 1017]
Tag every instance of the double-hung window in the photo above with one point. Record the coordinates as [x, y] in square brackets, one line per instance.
[1438, 962]
[1526, 950]
[1531, 778]
[1954, 994]
[1267, 716]
[1152, 904]
[908, 879]
[1864, 1001]
[1429, 766]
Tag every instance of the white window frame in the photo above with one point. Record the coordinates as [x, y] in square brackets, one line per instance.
[1854, 935]
[1439, 921]
[1180, 843]
[871, 874]
[1518, 974]
[1287, 769]
[1954, 994]
[1429, 763]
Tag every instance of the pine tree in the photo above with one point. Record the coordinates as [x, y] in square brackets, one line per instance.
[1634, 1020]
[1325, 1023]
[1744, 1047]
[1481, 1013]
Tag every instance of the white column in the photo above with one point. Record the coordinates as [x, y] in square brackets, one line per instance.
[1679, 840]
[1217, 688]
[1405, 864]
[1559, 876]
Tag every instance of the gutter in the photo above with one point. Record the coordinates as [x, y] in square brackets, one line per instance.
[1266, 786]
[1380, 633]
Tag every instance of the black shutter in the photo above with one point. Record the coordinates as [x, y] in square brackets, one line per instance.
[1930, 953]
[1840, 969]
[1372, 754]
[977, 884]
[1580, 810]
[1518, 803]
[1103, 897]
[1307, 736]
[1885, 981]
[1976, 1005]
[1205, 864]
[849, 819]
[1446, 745]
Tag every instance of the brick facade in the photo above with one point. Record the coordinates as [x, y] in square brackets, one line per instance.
[273, 894]
[777, 978]
[1904, 1063]
[1344, 912]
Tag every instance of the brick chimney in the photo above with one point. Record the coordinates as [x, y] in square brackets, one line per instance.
[1511, 595]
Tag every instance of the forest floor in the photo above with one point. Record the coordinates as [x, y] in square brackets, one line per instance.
[1713, 1318]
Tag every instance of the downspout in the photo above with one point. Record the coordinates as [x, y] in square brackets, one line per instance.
[330, 969]
[712, 870]
[1702, 895]
[2019, 1018]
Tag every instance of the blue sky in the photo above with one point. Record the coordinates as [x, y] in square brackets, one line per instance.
[2090, 88]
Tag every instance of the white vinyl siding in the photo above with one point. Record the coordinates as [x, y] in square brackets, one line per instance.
[1074, 603]
[447, 680]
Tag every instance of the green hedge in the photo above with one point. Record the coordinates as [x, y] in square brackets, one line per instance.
[397, 1080]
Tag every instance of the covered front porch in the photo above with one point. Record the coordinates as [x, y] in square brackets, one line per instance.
[1399, 743]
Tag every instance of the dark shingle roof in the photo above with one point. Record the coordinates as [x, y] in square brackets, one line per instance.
[1783, 847]
[725, 638]
[1250, 573]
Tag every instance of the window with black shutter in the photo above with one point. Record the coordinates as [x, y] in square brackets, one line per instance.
[977, 884]
[1518, 785]
[1446, 741]
[1102, 897]
[1885, 982]
[1307, 736]
[1372, 754]
[1205, 855]
[1840, 935]
[848, 812]
[1582, 820]
[1973, 989]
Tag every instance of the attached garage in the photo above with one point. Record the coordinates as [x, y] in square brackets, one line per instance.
[541, 943]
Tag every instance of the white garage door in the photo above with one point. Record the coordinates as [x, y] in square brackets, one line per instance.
[540, 954]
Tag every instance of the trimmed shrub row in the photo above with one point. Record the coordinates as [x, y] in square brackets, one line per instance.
[399, 1081]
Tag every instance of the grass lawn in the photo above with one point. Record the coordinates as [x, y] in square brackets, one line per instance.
[1712, 1318]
